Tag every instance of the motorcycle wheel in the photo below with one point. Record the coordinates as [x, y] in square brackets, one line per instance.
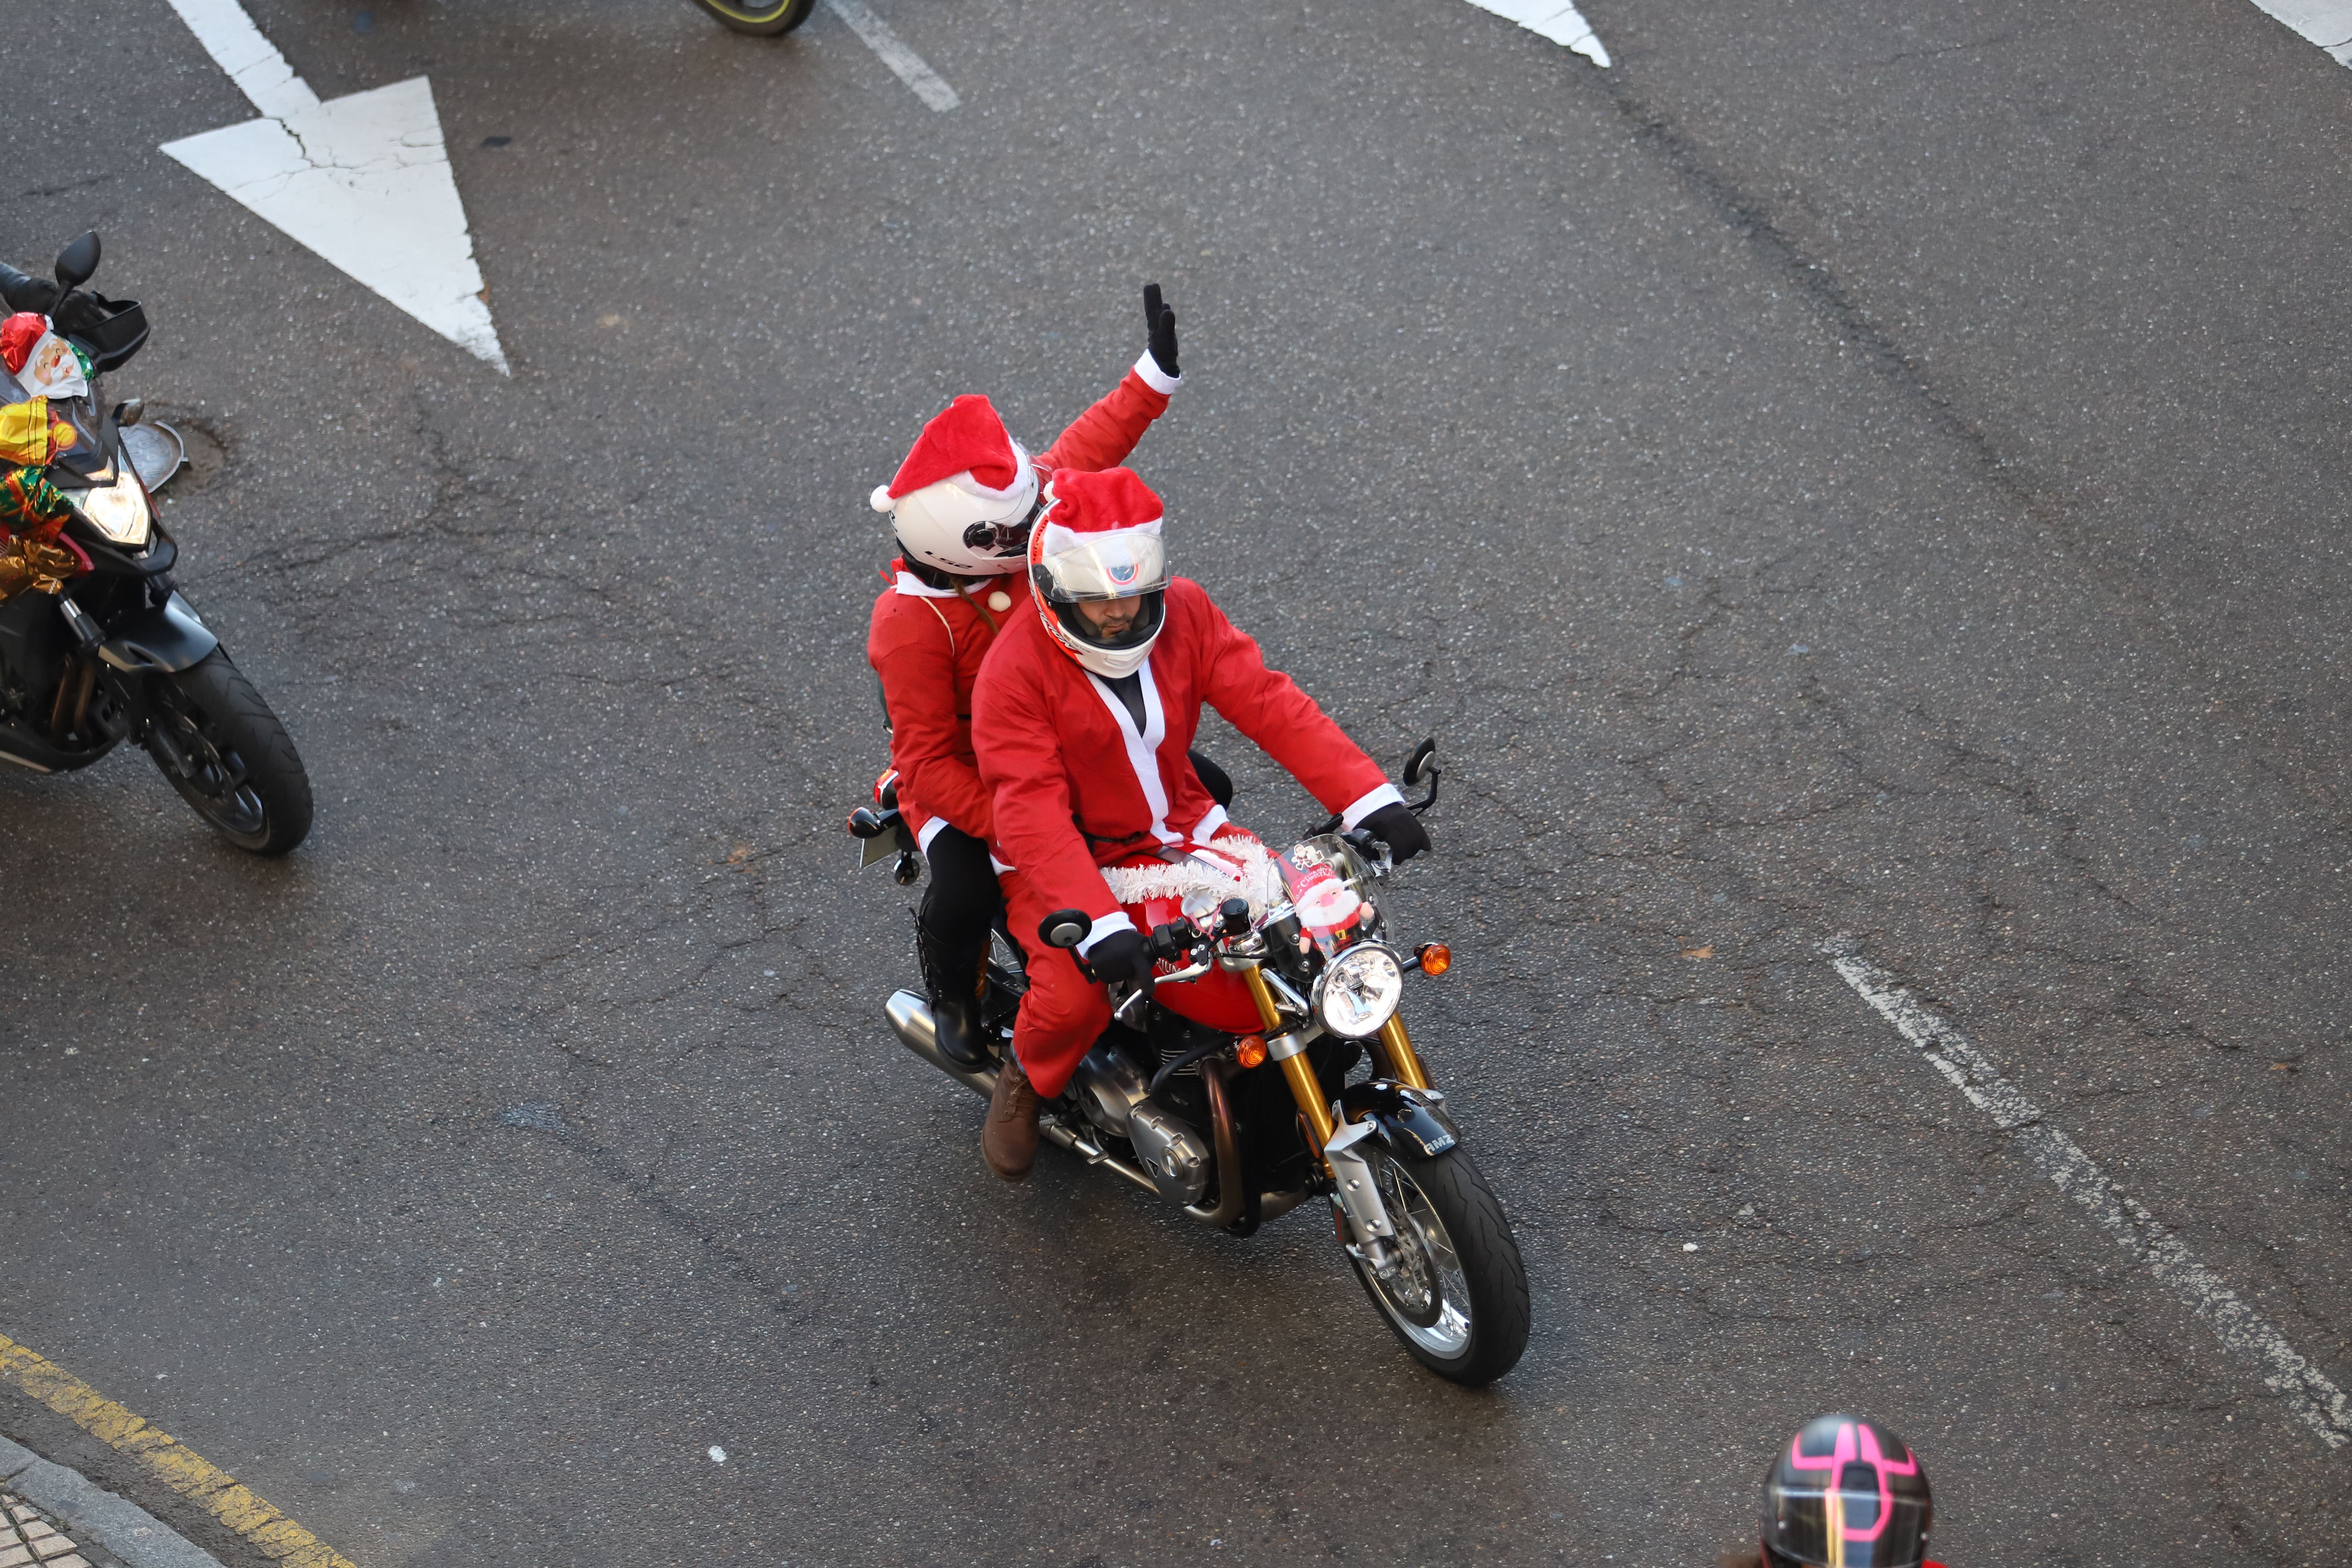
[760, 18]
[242, 774]
[1459, 1297]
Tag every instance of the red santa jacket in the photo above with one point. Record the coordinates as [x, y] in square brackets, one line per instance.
[1078, 786]
[926, 643]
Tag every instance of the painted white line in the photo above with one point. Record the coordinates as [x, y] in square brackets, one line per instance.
[2314, 1401]
[1562, 24]
[363, 180]
[2327, 23]
[251, 60]
[894, 53]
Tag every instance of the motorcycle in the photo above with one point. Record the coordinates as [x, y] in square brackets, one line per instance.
[97, 643]
[1222, 1085]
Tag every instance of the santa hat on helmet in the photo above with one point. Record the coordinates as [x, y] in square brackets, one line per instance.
[1099, 539]
[964, 493]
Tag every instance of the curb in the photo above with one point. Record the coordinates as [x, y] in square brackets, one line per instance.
[167, 1460]
[123, 1529]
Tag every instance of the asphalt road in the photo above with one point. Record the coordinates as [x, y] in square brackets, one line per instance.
[1846, 470]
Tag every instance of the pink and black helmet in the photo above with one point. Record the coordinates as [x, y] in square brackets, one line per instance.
[1846, 1493]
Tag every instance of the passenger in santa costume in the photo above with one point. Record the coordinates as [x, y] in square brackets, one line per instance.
[1084, 716]
[961, 507]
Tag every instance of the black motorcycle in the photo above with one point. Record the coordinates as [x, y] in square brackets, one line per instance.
[1226, 1085]
[97, 645]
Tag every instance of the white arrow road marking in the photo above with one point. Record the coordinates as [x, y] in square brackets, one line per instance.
[894, 53]
[2314, 1401]
[1562, 24]
[2327, 23]
[362, 180]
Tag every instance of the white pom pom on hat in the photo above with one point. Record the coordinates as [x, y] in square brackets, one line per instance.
[880, 500]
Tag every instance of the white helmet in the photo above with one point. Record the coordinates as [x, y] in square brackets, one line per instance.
[1098, 540]
[964, 500]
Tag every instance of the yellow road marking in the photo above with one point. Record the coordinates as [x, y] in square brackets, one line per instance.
[167, 1459]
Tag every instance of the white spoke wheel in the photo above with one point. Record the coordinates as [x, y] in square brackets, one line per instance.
[1458, 1294]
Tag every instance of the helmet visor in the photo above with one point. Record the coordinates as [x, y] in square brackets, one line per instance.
[1119, 565]
[1007, 540]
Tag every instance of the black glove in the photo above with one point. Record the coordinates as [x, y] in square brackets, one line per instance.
[25, 292]
[78, 313]
[1121, 955]
[1395, 826]
[1160, 328]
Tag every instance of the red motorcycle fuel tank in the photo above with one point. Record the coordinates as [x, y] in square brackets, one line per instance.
[1217, 999]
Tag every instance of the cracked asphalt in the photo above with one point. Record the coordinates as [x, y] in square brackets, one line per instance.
[1848, 469]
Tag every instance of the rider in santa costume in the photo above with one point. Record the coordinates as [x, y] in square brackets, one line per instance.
[1084, 716]
[962, 506]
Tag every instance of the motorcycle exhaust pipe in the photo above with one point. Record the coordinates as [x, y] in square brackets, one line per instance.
[910, 1020]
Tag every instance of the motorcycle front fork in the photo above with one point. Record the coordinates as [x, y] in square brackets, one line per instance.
[1354, 1190]
[1392, 1057]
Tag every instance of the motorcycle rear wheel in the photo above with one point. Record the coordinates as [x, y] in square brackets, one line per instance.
[760, 18]
[241, 772]
[1458, 1298]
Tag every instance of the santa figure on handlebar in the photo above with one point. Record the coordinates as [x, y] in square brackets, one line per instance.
[1082, 719]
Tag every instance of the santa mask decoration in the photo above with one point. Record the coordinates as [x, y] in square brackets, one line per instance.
[1097, 544]
[963, 500]
[43, 364]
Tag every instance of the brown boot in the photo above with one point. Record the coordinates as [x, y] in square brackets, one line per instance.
[1008, 1139]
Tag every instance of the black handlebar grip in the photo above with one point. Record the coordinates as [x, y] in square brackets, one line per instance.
[1063, 928]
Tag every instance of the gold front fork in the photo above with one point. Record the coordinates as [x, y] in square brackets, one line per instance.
[1404, 1061]
[1295, 1067]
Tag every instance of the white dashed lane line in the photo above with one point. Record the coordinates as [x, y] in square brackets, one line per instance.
[2306, 1391]
[1562, 24]
[2327, 23]
[893, 52]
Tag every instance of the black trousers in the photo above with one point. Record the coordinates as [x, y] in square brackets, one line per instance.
[961, 903]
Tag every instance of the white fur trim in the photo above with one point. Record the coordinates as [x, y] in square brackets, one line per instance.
[1354, 814]
[914, 587]
[1117, 921]
[930, 830]
[1159, 380]
[880, 500]
[1230, 867]
[1206, 828]
[999, 867]
[1143, 748]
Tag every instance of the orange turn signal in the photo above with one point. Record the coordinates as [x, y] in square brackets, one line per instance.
[1250, 1050]
[1436, 957]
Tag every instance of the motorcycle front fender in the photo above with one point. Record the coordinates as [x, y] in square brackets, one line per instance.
[1412, 1121]
[161, 641]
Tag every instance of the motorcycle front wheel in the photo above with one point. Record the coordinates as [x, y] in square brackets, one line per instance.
[1458, 1294]
[760, 18]
[222, 748]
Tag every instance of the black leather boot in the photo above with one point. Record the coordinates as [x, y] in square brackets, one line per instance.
[953, 980]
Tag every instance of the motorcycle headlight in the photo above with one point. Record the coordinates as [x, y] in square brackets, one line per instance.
[1358, 991]
[118, 511]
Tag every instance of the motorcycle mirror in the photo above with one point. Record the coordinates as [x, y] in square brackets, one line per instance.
[77, 261]
[131, 411]
[1063, 928]
[1423, 763]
